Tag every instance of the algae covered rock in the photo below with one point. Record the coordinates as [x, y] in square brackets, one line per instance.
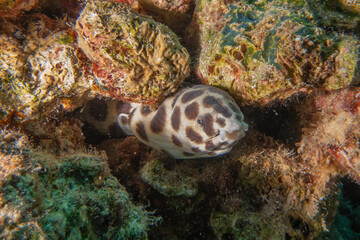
[350, 5]
[69, 196]
[46, 74]
[331, 131]
[12, 69]
[337, 15]
[269, 50]
[168, 183]
[135, 58]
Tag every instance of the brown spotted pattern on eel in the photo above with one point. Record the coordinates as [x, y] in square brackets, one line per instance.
[197, 122]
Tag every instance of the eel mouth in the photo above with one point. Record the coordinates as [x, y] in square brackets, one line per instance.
[237, 134]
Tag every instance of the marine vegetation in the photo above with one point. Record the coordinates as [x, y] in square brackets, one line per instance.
[67, 196]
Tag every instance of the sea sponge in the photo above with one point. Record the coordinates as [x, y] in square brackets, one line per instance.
[135, 58]
[43, 195]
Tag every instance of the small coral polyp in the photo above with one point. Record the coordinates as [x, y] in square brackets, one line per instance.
[267, 52]
[135, 58]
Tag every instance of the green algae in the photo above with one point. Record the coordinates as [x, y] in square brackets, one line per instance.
[72, 196]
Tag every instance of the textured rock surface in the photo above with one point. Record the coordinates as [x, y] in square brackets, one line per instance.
[169, 183]
[70, 196]
[135, 58]
[12, 8]
[45, 74]
[281, 181]
[337, 15]
[271, 50]
[332, 131]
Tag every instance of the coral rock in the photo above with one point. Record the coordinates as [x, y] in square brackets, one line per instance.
[168, 183]
[272, 50]
[72, 196]
[337, 15]
[135, 58]
[49, 77]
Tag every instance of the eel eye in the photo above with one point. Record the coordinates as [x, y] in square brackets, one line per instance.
[200, 121]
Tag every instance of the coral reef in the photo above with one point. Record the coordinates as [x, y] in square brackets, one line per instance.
[135, 58]
[70, 196]
[293, 65]
[261, 52]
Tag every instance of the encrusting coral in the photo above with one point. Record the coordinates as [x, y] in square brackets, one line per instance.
[135, 58]
[70, 196]
[270, 50]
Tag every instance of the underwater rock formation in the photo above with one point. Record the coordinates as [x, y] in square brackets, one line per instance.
[70, 196]
[173, 6]
[168, 183]
[281, 181]
[337, 15]
[135, 58]
[12, 8]
[44, 74]
[175, 14]
[261, 190]
[270, 50]
[331, 125]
